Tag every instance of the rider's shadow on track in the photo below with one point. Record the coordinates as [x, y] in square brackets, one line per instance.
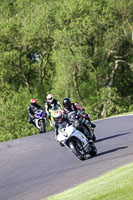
[107, 152]
[112, 136]
[111, 150]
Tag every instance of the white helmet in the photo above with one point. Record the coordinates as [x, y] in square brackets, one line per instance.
[57, 116]
[50, 98]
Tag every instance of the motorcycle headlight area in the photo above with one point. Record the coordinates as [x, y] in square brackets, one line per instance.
[37, 116]
[63, 130]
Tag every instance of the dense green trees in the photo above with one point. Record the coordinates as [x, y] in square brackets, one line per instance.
[85, 52]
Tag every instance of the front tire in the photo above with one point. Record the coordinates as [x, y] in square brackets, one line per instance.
[42, 127]
[77, 149]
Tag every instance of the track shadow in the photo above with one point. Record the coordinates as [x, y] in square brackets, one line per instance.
[107, 152]
[113, 136]
[112, 150]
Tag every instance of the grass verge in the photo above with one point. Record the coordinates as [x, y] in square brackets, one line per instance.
[116, 184]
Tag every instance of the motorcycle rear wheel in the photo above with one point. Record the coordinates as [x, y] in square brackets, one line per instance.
[89, 135]
[76, 146]
[94, 137]
[93, 150]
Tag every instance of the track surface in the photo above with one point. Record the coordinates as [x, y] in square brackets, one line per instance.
[36, 167]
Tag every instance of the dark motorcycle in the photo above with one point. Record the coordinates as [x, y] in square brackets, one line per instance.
[79, 122]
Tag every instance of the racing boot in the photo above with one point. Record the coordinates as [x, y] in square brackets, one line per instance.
[87, 116]
[33, 123]
[92, 125]
[62, 145]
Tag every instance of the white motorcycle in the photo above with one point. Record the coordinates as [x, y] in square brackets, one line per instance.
[40, 120]
[75, 141]
[79, 123]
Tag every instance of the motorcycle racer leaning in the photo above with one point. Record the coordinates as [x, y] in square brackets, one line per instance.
[68, 107]
[31, 110]
[59, 119]
[50, 103]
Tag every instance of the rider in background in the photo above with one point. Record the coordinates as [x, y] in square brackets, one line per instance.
[50, 103]
[68, 107]
[31, 110]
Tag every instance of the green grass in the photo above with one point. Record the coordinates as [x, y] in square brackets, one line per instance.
[117, 115]
[127, 113]
[117, 184]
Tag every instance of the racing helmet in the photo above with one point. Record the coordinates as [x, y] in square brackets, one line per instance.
[66, 102]
[50, 98]
[57, 116]
[33, 102]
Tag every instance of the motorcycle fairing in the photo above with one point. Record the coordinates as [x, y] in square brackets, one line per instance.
[70, 131]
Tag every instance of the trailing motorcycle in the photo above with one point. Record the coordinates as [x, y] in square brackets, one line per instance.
[75, 141]
[40, 120]
[82, 125]
[51, 111]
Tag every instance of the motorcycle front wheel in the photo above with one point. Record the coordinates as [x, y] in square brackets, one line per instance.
[42, 127]
[77, 148]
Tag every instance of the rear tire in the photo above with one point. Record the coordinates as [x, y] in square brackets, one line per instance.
[94, 137]
[76, 146]
[88, 134]
[93, 150]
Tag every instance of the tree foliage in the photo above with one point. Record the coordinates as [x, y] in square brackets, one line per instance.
[84, 51]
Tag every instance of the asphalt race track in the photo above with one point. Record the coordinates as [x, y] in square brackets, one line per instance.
[36, 167]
